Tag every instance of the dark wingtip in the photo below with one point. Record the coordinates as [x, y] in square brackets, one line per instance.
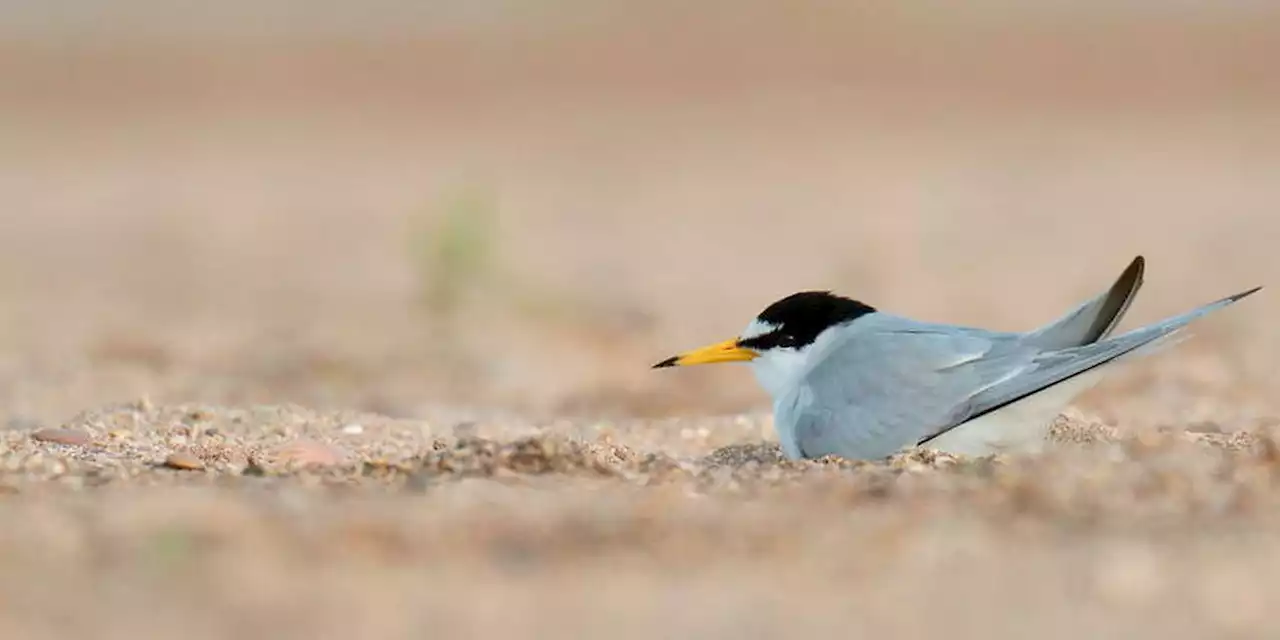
[1245, 293]
[669, 362]
[1138, 265]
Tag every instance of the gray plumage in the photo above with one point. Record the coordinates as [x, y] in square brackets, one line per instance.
[886, 381]
[850, 380]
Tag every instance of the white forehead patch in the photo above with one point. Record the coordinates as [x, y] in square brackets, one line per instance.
[757, 328]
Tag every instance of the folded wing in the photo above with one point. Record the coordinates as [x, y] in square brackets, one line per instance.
[1050, 369]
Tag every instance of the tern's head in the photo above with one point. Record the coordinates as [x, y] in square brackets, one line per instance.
[778, 342]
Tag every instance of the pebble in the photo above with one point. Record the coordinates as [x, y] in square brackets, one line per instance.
[311, 452]
[353, 429]
[183, 460]
[74, 437]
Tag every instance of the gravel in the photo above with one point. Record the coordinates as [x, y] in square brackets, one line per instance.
[277, 520]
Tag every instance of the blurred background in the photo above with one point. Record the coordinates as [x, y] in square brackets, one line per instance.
[460, 207]
[394, 205]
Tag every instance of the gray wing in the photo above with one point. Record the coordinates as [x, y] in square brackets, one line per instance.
[1049, 368]
[891, 382]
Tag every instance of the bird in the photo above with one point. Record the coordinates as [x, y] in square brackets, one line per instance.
[850, 380]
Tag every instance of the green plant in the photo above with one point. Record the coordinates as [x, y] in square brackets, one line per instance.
[453, 250]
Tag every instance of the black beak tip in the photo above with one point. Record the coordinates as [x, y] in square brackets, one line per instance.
[669, 362]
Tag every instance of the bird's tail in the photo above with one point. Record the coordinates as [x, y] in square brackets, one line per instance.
[1166, 333]
[1016, 415]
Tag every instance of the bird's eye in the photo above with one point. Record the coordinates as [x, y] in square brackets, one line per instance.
[787, 340]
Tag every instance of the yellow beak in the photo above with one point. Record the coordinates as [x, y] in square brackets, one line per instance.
[727, 351]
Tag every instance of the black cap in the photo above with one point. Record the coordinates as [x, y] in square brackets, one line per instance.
[800, 317]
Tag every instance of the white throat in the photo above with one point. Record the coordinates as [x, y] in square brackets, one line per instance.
[781, 370]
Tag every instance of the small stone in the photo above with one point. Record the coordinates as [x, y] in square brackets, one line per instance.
[311, 452]
[74, 437]
[1204, 426]
[183, 460]
[253, 468]
[353, 429]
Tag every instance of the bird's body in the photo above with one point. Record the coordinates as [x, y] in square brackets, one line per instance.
[849, 380]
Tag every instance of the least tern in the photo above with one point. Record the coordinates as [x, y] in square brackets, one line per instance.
[850, 380]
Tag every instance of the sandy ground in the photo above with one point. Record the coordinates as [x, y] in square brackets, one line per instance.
[304, 337]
